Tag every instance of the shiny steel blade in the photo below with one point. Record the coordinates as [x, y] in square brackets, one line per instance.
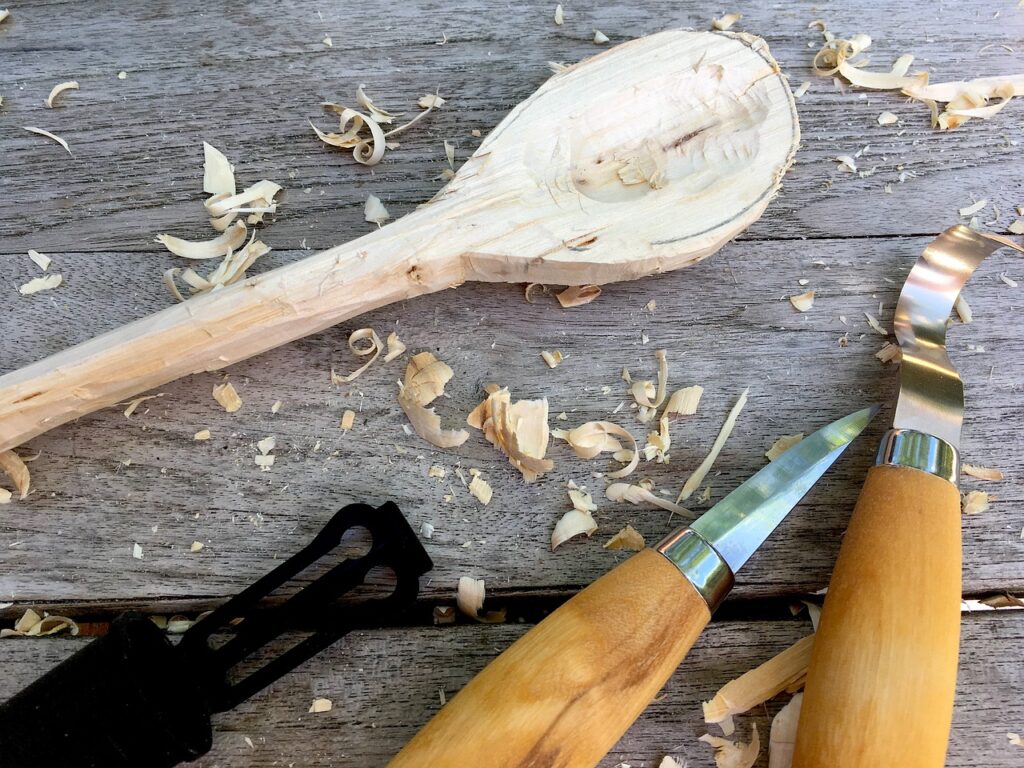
[931, 392]
[738, 524]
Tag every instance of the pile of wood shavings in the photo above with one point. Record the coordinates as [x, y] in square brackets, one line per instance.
[519, 430]
[31, 624]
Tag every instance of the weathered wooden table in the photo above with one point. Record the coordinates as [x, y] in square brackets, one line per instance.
[246, 78]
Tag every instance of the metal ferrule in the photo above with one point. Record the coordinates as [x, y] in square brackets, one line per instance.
[919, 450]
[700, 563]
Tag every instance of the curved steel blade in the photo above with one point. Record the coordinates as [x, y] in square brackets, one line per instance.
[738, 524]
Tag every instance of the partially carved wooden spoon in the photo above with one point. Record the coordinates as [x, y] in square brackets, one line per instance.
[644, 158]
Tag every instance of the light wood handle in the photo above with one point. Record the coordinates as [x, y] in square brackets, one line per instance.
[563, 694]
[883, 671]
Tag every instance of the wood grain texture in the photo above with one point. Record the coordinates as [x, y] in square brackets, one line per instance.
[887, 645]
[385, 686]
[591, 667]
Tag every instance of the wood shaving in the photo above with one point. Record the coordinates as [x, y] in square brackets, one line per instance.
[725, 22]
[425, 378]
[373, 350]
[231, 269]
[266, 445]
[573, 523]
[328, 42]
[264, 462]
[137, 551]
[875, 325]
[846, 164]
[348, 418]
[12, 465]
[889, 353]
[122, 75]
[684, 401]
[31, 624]
[701, 472]
[436, 471]
[519, 430]
[374, 211]
[37, 284]
[553, 359]
[41, 260]
[782, 738]
[641, 389]
[276, 406]
[1007, 280]
[975, 502]
[134, 404]
[395, 347]
[970, 210]
[887, 118]
[58, 89]
[51, 136]
[559, 15]
[1015, 739]
[382, 116]
[227, 396]
[582, 500]
[668, 762]
[218, 247]
[320, 705]
[783, 672]
[429, 100]
[600, 38]
[202, 434]
[4, 13]
[1017, 227]
[595, 437]
[367, 150]
[218, 173]
[258, 198]
[449, 153]
[982, 473]
[5, 496]
[734, 754]
[658, 443]
[782, 445]
[470, 599]
[963, 309]
[637, 494]
[628, 538]
[803, 302]
[196, 546]
[578, 295]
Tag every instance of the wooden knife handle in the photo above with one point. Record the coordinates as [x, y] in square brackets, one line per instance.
[883, 671]
[564, 693]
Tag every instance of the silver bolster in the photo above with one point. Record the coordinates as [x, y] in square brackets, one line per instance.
[919, 450]
[700, 563]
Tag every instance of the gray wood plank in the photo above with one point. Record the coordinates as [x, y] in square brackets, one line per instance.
[385, 684]
[726, 324]
[249, 80]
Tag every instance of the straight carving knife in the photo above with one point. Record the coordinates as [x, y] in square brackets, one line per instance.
[883, 670]
[563, 694]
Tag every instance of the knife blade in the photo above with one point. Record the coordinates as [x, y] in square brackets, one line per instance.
[563, 694]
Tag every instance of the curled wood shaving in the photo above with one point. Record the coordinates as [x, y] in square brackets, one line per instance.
[348, 418]
[51, 136]
[782, 738]
[658, 443]
[470, 599]
[231, 269]
[320, 705]
[684, 401]
[782, 445]
[58, 89]
[15, 468]
[578, 295]
[982, 473]
[380, 115]
[975, 502]
[374, 211]
[44, 283]
[41, 260]
[803, 302]
[373, 349]
[227, 396]
[889, 353]
[553, 359]
[637, 494]
[573, 523]
[963, 309]
[519, 430]
[640, 389]
[734, 754]
[834, 59]
[425, 378]
[530, 288]
[628, 538]
[582, 500]
[31, 624]
[134, 404]
[219, 246]
[783, 672]
[701, 472]
[395, 347]
[258, 198]
[600, 38]
[594, 437]
[725, 22]
[367, 150]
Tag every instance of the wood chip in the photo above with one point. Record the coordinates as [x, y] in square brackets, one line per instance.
[425, 379]
[374, 211]
[134, 404]
[436, 471]
[12, 465]
[982, 473]
[803, 302]
[348, 418]
[5, 496]
[51, 136]
[481, 489]
[395, 347]
[137, 551]
[573, 523]
[782, 738]
[970, 210]
[197, 546]
[276, 407]
[684, 401]
[227, 396]
[600, 38]
[875, 325]
[595, 437]
[199, 250]
[1017, 227]
[553, 359]
[782, 445]
[58, 89]
[264, 462]
[470, 599]
[41, 260]
[628, 538]
[975, 502]
[1007, 280]
[202, 434]
[578, 295]
[637, 494]
[963, 309]
[889, 353]
[666, 762]
[734, 754]
[44, 283]
[4, 14]
[725, 22]
[321, 705]
[887, 118]
[701, 472]
[519, 430]
[218, 173]
[559, 15]
[429, 100]
[804, 87]
[31, 624]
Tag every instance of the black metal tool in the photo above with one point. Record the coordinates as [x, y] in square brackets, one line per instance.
[132, 699]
